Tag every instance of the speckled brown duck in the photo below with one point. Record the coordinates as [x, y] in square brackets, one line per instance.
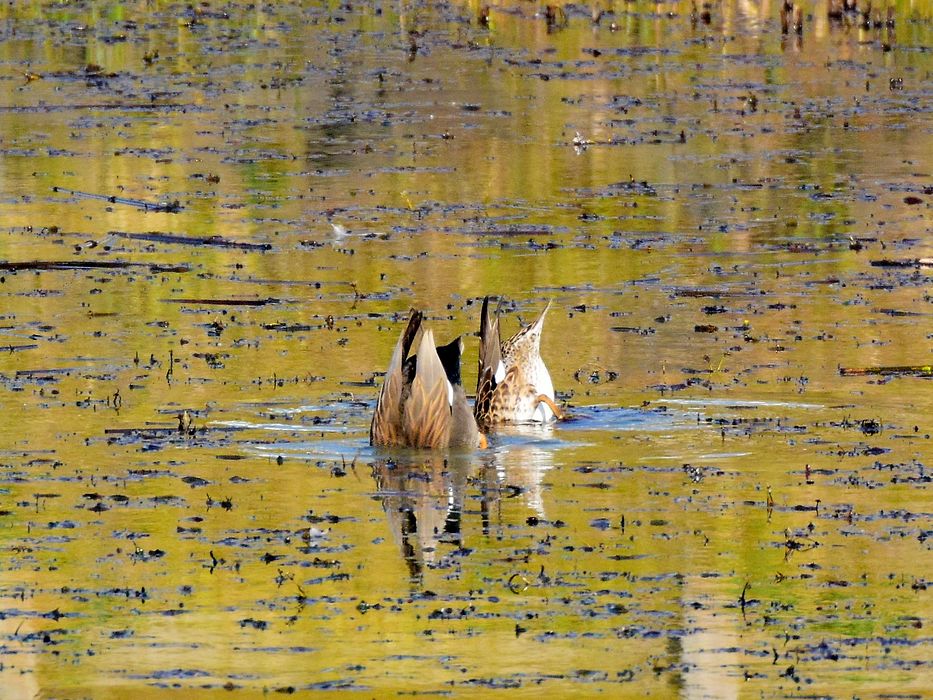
[513, 385]
[422, 402]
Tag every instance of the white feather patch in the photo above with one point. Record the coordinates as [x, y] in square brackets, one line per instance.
[500, 372]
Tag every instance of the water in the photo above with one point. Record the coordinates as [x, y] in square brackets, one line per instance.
[715, 211]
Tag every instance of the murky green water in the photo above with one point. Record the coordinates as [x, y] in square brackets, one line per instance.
[724, 217]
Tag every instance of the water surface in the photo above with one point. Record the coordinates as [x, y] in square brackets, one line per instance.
[724, 217]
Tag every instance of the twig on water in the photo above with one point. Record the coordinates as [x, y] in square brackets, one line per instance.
[172, 207]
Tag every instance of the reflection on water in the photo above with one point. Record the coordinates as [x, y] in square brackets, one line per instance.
[521, 457]
[424, 505]
[425, 497]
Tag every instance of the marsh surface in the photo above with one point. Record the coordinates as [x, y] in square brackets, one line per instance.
[733, 226]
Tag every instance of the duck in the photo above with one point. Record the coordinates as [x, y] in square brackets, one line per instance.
[513, 384]
[422, 403]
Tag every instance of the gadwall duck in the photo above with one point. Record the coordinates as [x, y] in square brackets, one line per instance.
[422, 402]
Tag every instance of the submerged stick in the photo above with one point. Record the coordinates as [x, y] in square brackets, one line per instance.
[225, 302]
[38, 265]
[218, 241]
[895, 370]
[905, 262]
[715, 293]
[171, 207]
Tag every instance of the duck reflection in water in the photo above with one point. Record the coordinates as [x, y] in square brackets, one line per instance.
[430, 500]
[423, 498]
[522, 457]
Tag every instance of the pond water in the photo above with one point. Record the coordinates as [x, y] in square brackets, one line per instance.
[227, 209]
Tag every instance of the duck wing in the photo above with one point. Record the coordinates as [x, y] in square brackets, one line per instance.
[386, 428]
[491, 371]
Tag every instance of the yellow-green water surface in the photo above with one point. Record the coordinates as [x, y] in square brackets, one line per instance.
[733, 225]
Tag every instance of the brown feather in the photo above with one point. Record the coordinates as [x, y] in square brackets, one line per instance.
[414, 405]
[426, 413]
[515, 397]
[489, 359]
[386, 428]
